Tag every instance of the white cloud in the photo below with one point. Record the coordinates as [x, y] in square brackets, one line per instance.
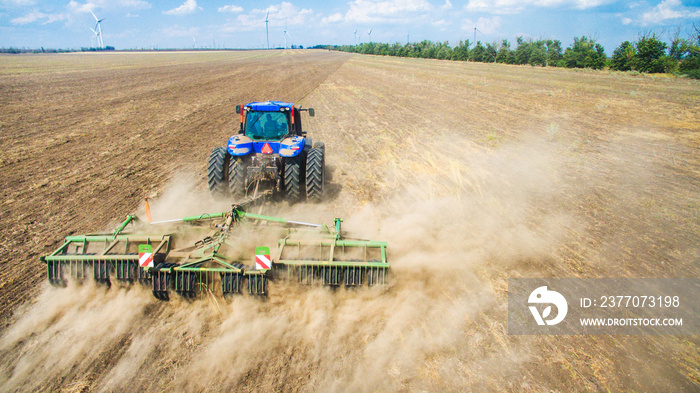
[231, 8]
[496, 6]
[37, 15]
[626, 21]
[486, 26]
[93, 5]
[668, 9]
[179, 31]
[119, 4]
[337, 17]
[279, 15]
[441, 24]
[29, 18]
[80, 8]
[18, 3]
[188, 7]
[585, 4]
[372, 11]
[518, 6]
[74, 8]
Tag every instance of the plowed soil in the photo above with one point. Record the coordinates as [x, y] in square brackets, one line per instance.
[474, 173]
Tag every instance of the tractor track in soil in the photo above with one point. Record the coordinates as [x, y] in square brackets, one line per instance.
[474, 173]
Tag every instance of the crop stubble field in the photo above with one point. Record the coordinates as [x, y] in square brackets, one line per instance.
[474, 173]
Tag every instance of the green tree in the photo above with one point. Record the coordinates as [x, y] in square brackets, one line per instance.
[538, 54]
[503, 52]
[397, 50]
[478, 53]
[623, 57]
[554, 54]
[585, 53]
[523, 51]
[651, 55]
[689, 54]
[461, 51]
[444, 51]
[491, 53]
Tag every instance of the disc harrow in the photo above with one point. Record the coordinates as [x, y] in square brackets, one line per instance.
[162, 256]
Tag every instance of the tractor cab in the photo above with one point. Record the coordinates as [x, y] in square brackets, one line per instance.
[266, 125]
[271, 120]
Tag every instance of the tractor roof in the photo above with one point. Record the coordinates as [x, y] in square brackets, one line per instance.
[269, 106]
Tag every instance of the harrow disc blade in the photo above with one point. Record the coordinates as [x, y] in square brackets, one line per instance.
[257, 284]
[231, 283]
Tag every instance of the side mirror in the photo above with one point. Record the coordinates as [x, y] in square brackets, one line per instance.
[311, 112]
[238, 109]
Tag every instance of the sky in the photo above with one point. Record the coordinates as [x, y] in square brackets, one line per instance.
[144, 24]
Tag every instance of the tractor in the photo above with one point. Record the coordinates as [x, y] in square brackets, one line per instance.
[272, 151]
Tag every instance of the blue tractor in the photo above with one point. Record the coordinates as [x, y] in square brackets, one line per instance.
[271, 151]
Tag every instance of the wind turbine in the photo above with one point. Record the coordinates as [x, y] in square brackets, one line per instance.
[355, 36]
[286, 35]
[408, 36]
[475, 30]
[194, 43]
[267, 32]
[369, 33]
[94, 38]
[98, 30]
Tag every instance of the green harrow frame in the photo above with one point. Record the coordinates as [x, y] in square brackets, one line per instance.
[310, 253]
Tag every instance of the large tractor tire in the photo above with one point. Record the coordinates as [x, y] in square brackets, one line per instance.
[237, 169]
[293, 177]
[217, 172]
[315, 163]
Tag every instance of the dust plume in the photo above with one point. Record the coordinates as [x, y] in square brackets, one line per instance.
[454, 230]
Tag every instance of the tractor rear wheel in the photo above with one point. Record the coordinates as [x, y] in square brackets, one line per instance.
[236, 176]
[293, 175]
[314, 173]
[217, 172]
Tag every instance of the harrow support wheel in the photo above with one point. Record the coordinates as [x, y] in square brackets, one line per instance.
[218, 171]
[315, 163]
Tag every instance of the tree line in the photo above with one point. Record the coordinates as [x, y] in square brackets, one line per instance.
[12, 50]
[648, 54]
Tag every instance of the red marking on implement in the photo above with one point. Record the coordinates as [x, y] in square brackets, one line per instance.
[146, 259]
[266, 149]
[262, 261]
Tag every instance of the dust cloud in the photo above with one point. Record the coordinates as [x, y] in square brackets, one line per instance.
[455, 224]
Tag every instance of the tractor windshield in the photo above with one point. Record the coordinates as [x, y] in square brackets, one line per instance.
[266, 125]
